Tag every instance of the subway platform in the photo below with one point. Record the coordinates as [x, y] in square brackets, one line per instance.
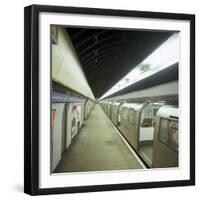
[98, 147]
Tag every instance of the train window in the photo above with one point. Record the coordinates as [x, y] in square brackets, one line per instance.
[163, 133]
[168, 133]
[131, 116]
[173, 135]
[147, 122]
[147, 111]
[155, 110]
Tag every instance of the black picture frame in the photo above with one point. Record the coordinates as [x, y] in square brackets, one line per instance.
[31, 98]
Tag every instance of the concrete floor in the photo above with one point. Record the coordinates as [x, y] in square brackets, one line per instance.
[98, 146]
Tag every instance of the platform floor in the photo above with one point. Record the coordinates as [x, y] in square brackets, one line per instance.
[97, 147]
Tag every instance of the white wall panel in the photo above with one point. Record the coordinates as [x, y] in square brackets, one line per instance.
[69, 124]
[57, 133]
[66, 68]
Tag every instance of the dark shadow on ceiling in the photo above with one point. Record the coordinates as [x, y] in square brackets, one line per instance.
[108, 55]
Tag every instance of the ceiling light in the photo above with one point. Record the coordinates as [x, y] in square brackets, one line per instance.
[164, 56]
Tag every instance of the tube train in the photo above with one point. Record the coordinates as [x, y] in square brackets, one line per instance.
[150, 127]
[68, 113]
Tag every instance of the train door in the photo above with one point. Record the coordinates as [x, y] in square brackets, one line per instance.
[146, 132]
[110, 109]
[133, 127]
[114, 113]
[147, 128]
[119, 115]
[124, 124]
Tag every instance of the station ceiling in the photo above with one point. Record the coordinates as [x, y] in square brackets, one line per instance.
[108, 55]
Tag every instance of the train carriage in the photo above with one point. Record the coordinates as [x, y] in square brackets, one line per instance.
[165, 152]
[104, 104]
[114, 112]
[129, 122]
[108, 109]
[137, 121]
[146, 130]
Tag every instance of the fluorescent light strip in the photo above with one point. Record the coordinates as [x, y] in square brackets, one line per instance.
[164, 56]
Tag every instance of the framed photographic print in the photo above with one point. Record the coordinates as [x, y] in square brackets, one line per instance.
[109, 99]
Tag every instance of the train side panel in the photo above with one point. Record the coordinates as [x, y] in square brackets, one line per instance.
[114, 113]
[165, 152]
[109, 108]
[129, 123]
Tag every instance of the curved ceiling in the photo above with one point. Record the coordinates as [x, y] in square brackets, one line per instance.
[107, 55]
